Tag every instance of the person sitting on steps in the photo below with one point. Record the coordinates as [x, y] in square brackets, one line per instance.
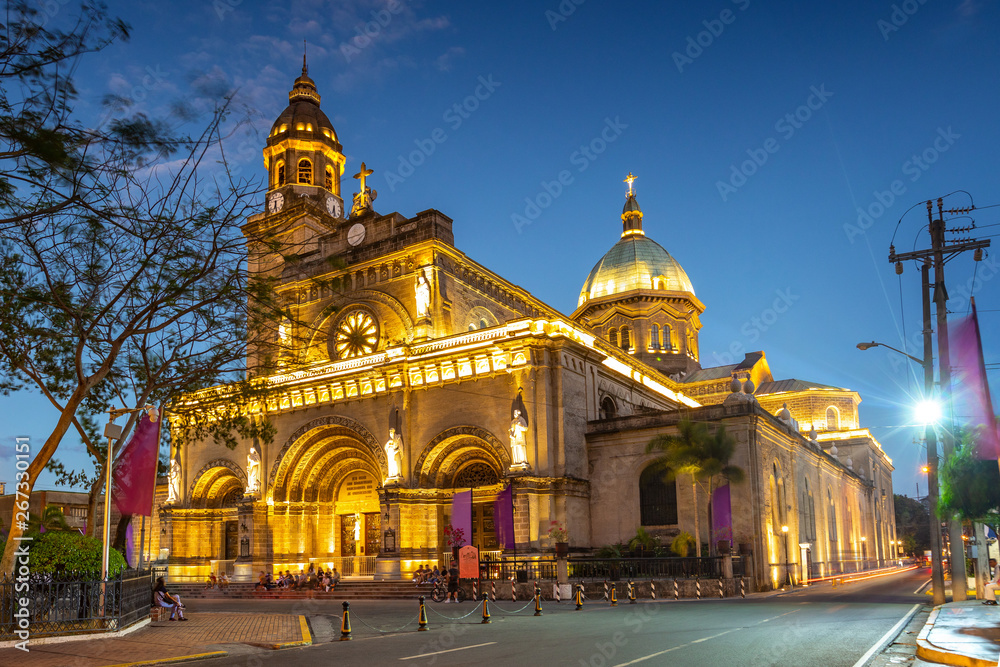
[990, 592]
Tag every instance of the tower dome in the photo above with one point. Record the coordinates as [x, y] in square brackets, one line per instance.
[302, 146]
[639, 298]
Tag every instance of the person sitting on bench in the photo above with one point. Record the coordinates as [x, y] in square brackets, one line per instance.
[990, 592]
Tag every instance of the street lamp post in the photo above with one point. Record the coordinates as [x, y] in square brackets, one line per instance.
[930, 437]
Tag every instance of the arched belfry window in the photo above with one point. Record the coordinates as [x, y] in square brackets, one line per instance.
[328, 182]
[626, 343]
[654, 337]
[667, 341]
[305, 172]
[613, 337]
[280, 175]
[832, 419]
[657, 497]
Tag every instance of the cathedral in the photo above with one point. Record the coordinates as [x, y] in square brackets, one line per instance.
[411, 372]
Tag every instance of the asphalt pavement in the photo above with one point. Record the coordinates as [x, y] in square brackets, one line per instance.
[819, 625]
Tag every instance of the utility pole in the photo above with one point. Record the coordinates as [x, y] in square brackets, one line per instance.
[930, 437]
[939, 253]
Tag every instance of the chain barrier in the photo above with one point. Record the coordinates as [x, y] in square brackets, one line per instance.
[456, 618]
[497, 607]
[372, 627]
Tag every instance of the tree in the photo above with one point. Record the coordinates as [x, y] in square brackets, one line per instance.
[123, 278]
[912, 524]
[703, 455]
[970, 486]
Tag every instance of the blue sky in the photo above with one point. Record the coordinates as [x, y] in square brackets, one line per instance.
[757, 131]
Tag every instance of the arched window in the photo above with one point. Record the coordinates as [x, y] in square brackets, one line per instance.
[831, 517]
[305, 172]
[657, 497]
[654, 337]
[328, 182]
[668, 343]
[626, 344]
[613, 337]
[280, 179]
[832, 419]
[608, 408]
[807, 513]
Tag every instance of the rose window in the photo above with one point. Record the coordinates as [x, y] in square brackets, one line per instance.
[356, 335]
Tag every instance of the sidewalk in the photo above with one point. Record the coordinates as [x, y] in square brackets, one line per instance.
[205, 635]
[962, 633]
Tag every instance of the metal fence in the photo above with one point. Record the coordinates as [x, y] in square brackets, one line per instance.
[612, 569]
[73, 603]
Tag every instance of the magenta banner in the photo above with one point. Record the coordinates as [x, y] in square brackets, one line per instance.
[134, 471]
[503, 517]
[461, 514]
[722, 516]
[971, 390]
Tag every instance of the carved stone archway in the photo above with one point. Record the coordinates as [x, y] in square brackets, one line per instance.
[454, 448]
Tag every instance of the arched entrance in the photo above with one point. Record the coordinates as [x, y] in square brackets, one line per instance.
[214, 496]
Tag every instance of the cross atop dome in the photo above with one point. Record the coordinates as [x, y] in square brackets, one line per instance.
[631, 213]
[629, 179]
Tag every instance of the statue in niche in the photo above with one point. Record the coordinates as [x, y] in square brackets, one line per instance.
[518, 443]
[394, 454]
[253, 471]
[174, 481]
[357, 527]
[423, 294]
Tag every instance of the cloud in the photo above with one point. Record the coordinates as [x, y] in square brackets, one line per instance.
[446, 60]
[969, 8]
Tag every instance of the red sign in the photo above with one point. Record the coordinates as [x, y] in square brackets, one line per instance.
[468, 562]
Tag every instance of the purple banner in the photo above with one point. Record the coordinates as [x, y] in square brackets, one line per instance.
[461, 514]
[503, 517]
[971, 390]
[134, 471]
[722, 516]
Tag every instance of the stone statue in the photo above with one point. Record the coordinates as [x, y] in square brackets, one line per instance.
[423, 291]
[518, 445]
[394, 454]
[174, 481]
[253, 471]
[357, 527]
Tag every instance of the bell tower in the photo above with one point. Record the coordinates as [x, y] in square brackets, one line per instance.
[303, 155]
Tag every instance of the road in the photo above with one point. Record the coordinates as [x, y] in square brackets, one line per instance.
[819, 625]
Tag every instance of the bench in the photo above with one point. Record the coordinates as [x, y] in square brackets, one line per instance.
[158, 614]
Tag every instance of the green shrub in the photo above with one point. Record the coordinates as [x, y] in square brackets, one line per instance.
[682, 543]
[58, 551]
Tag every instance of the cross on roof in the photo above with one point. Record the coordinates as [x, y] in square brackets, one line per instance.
[362, 175]
[629, 179]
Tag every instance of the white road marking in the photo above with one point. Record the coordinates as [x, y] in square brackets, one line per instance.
[921, 586]
[451, 650]
[696, 641]
[894, 629]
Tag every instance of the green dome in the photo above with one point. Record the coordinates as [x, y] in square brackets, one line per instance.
[634, 263]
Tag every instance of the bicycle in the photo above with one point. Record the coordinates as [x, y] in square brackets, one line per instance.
[440, 592]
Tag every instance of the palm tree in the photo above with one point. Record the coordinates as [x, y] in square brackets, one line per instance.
[51, 519]
[704, 456]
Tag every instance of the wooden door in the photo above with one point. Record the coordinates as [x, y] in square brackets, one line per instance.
[232, 540]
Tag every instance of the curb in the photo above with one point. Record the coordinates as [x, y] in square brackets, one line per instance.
[86, 636]
[180, 658]
[928, 651]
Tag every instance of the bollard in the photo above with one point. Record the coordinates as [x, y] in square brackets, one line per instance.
[675, 588]
[493, 590]
[631, 592]
[486, 611]
[422, 618]
[614, 595]
[475, 589]
[558, 594]
[579, 596]
[513, 590]
[697, 586]
[743, 590]
[721, 594]
[345, 624]
[652, 589]
[607, 594]
[538, 600]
